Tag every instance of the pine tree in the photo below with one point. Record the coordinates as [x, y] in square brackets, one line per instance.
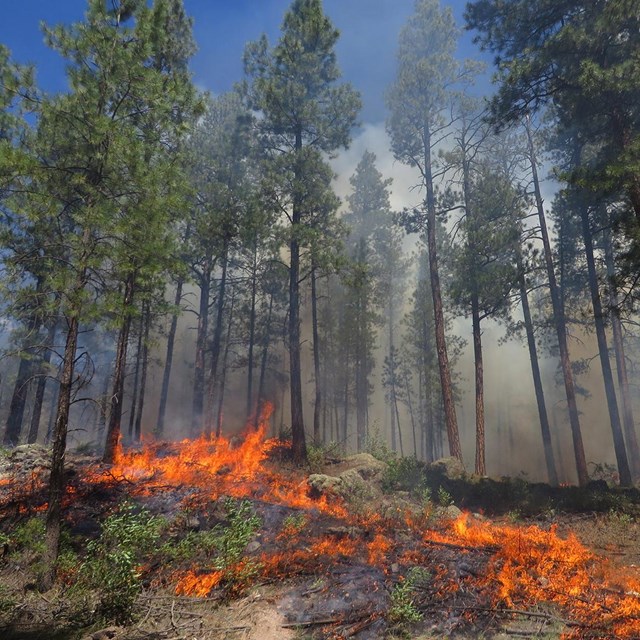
[304, 113]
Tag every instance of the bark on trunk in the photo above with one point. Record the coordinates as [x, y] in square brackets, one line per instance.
[197, 413]
[316, 359]
[251, 408]
[223, 372]
[621, 363]
[560, 324]
[481, 468]
[42, 383]
[137, 432]
[21, 387]
[57, 477]
[216, 342]
[543, 416]
[446, 384]
[168, 362]
[115, 413]
[299, 448]
[136, 378]
[607, 375]
[263, 364]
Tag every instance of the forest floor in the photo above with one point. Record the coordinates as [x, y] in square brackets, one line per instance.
[229, 541]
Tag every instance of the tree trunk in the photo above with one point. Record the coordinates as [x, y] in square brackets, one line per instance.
[115, 414]
[223, 373]
[136, 378]
[197, 413]
[216, 342]
[560, 323]
[607, 375]
[146, 319]
[316, 359]
[168, 362]
[263, 364]
[552, 474]
[481, 468]
[295, 372]
[621, 363]
[42, 383]
[57, 477]
[446, 384]
[252, 337]
[22, 383]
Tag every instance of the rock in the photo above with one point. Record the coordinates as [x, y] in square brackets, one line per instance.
[253, 546]
[366, 465]
[452, 512]
[323, 484]
[450, 468]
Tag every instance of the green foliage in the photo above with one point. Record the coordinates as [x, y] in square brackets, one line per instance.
[403, 609]
[445, 499]
[403, 474]
[294, 523]
[112, 565]
[243, 523]
[29, 536]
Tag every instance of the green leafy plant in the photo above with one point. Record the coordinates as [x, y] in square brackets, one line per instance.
[403, 609]
[403, 474]
[293, 524]
[113, 560]
[444, 497]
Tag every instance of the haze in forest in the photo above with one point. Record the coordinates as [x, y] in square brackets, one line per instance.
[161, 229]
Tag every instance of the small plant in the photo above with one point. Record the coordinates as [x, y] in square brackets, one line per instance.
[403, 474]
[444, 497]
[230, 541]
[377, 447]
[113, 560]
[293, 524]
[403, 609]
[315, 458]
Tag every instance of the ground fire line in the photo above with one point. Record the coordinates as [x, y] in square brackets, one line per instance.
[476, 574]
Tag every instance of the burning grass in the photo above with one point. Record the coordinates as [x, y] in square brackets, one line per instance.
[232, 518]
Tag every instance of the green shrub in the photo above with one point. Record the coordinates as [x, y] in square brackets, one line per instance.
[403, 474]
[403, 609]
[113, 560]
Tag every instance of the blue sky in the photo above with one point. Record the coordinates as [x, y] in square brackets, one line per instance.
[366, 50]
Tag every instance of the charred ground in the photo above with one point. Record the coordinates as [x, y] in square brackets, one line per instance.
[227, 540]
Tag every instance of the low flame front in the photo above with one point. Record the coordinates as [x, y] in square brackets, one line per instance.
[525, 566]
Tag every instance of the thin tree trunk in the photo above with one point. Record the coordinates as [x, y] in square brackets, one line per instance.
[252, 337]
[223, 373]
[57, 476]
[216, 342]
[146, 316]
[295, 371]
[42, 383]
[481, 468]
[168, 362]
[266, 341]
[316, 359]
[115, 413]
[21, 387]
[607, 375]
[136, 378]
[621, 363]
[446, 384]
[552, 474]
[104, 403]
[560, 323]
[197, 412]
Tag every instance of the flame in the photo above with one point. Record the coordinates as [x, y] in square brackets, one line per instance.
[530, 565]
[513, 567]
